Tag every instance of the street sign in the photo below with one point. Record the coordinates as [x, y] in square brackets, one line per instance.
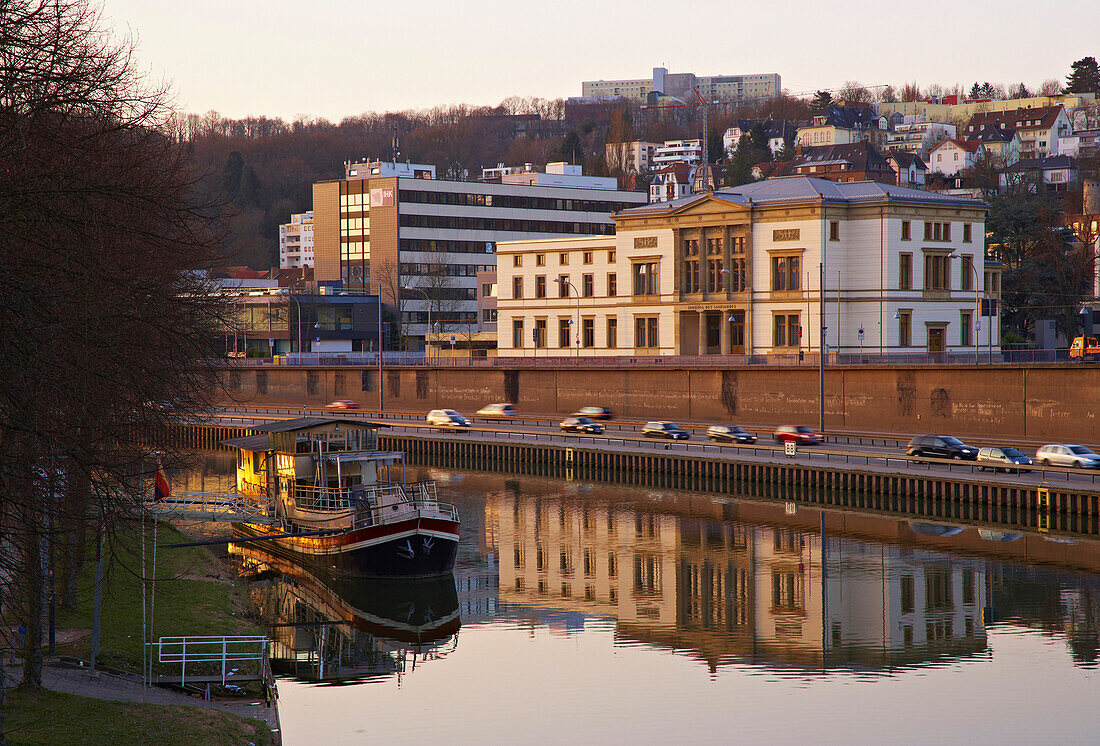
[452, 339]
[790, 508]
[861, 334]
[790, 447]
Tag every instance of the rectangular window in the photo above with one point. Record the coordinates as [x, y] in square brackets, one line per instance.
[612, 332]
[937, 231]
[563, 332]
[588, 333]
[947, 231]
[587, 257]
[786, 272]
[908, 597]
[905, 324]
[588, 286]
[967, 235]
[785, 330]
[563, 286]
[714, 275]
[612, 284]
[966, 281]
[937, 273]
[540, 260]
[691, 275]
[905, 271]
[927, 231]
[540, 286]
[645, 278]
[611, 256]
[517, 261]
[714, 247]
[517, 287]
[645, 331]
[651, 329]
[905, 231]
[834, 230]
[517, 334]
[563, 258]
[964, 328]
[540, 333]
[486, 290]
[639, 331]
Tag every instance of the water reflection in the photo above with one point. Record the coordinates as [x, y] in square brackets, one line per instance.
[343, 629]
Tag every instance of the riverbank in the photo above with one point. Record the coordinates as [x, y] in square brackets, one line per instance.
[196, 594]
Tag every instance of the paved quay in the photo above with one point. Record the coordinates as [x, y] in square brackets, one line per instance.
[125, 688]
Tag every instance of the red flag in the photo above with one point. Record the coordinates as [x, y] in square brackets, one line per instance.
[160, 485]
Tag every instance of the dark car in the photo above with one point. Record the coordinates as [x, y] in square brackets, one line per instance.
[730, 434]
[581, 425]
[941, 446]
[669, 430]
[798, 433]
[595, 413]
[1009, 459]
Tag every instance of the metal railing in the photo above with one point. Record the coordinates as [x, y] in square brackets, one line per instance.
[222, 650]
[214, 506]
[533, 359]
[374, 506]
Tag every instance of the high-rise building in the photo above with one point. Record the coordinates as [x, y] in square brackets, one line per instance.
[296, 241]
[420, 242]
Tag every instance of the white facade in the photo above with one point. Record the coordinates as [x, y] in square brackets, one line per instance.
[919, 136]
[296, 241]
[756, 86]
[678, 151]
[902, 265]
[952, 156]
[631, 157]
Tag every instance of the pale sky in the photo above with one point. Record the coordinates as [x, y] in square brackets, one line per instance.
[334, 58]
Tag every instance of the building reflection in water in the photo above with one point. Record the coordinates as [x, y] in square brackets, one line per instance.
[340, 629]
[728, 591]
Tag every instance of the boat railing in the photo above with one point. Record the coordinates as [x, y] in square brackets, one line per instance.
[373, 505]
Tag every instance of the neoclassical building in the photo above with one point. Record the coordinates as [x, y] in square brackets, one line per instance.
[752, 270]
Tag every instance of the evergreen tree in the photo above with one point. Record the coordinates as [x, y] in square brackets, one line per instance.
[975, 90]
[230, 182]
[822, 100]
[571, 149]
[248, 191]
[1085, 77]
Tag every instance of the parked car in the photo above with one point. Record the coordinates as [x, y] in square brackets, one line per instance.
[447, 418]
[1067, 455]
[497, 410]
[581, 425]
[342, 404]
[730, 434]
[941, 446]
[669, 430]
[595, 413]
[798, 433]
[1009, 459]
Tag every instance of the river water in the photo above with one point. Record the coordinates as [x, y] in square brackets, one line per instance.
[588, 613]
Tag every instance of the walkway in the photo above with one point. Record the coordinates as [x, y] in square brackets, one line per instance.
[127, 688]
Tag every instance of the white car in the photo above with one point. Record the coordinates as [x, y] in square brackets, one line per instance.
[1067, 455]
[496, 410]
[446, 418]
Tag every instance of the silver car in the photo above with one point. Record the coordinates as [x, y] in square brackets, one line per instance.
[1057, 454]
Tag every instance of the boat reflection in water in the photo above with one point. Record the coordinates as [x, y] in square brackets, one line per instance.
[340, 628]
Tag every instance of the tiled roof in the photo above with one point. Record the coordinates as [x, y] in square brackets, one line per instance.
[970, 146]
[1042, 164]
[1041, 117]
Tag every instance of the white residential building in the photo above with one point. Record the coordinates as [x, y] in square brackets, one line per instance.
[918, 136]
[952, 156]
[740, 271]
[678, 151]
[630, 157]
[728, 88]
[296, 241]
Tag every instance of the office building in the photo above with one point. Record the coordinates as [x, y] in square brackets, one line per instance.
[682, 86]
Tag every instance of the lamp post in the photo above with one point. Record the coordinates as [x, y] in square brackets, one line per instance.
[429, 301]
[577, 328]
[977, 306]
[299, 320]
[821, 347]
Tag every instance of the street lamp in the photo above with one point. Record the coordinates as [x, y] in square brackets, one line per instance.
[577, 328]
[977, 306]
[429, 301]
[299, 324]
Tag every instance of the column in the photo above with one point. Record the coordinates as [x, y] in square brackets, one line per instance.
[725, 327]
[702, 333]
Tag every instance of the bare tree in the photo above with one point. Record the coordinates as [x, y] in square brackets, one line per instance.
[106, 311]
[386, 280]
[1050, 87]
[854, 92]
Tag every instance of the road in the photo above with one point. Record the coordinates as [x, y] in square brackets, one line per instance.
[870, 452]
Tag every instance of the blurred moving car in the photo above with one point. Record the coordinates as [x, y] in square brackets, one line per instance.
[595, 413]
[730, 434]
[941, 446]
[1006, 458]
[662, 429]
[581, 425]
[797, 433]
[1057, 454]
[447, 418]
[497, 410]
[342, 404]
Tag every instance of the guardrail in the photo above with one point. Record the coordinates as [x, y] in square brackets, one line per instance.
[206, 649]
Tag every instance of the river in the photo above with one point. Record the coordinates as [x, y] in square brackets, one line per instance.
[593, 613]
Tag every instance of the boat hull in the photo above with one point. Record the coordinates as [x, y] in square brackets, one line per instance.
[417, 548]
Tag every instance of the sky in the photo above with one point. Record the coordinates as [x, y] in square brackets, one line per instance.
[335, 58]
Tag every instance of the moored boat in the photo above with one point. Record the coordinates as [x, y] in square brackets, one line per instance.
[332, 503]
